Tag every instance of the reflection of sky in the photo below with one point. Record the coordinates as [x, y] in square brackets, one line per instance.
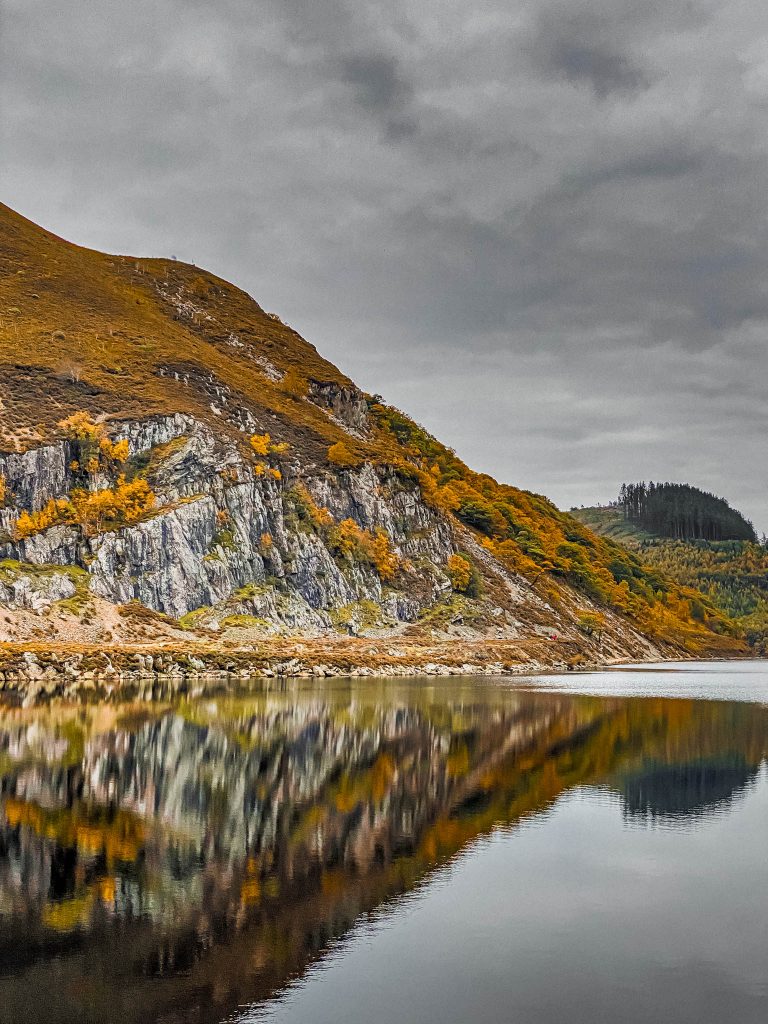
[697, 680]
[574, 917]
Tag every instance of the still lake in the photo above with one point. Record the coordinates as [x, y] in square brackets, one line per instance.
[583, 848]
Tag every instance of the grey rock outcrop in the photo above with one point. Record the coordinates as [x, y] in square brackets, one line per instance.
[221, 533]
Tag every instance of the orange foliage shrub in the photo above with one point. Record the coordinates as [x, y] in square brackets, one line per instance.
[127, 502]
[307, 508]
[260, 443]
[81, 426]
[340, 455]
[459, 572]
[53, 512]
[361, 545]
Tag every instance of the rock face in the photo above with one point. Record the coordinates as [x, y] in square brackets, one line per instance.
[346, 405]
[222, 533]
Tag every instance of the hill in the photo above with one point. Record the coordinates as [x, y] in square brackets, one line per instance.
[682, 512]
[733, 574]
[177, 464]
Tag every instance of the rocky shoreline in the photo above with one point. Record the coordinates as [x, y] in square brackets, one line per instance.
[31, 675]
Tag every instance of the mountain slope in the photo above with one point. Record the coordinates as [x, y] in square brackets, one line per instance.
[167, 445]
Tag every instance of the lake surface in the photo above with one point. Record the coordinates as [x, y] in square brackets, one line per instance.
[581, 848]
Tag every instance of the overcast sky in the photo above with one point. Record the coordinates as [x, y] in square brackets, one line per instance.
[539, 227]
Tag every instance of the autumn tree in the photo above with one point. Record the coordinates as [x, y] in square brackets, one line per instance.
[591, 623]
[95, 450]
[127, 502]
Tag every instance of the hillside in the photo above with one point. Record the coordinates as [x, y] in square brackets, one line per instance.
[732, 574]
[178, 465]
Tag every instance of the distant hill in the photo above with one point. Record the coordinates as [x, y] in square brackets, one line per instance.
[682, 512]
[733, 574]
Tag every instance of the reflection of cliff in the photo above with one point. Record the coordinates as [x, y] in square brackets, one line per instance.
[220, 848]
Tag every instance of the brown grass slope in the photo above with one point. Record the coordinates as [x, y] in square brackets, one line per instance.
[111, 334]
[120, 336]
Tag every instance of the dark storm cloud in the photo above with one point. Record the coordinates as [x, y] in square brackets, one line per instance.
[378, 86]
[572, 47]
[380, 90]
[539, 227]
[605, 70]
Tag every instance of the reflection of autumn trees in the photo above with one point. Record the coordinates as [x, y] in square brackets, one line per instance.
[220, 847]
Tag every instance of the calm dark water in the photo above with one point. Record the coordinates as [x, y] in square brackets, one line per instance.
[583, 848]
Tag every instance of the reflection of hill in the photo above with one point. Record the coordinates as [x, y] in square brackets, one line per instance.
[220, 848]
[677, 790]
[699, 766]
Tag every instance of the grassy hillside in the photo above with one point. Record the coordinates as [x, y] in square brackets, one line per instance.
[733, 575]
[116, 336]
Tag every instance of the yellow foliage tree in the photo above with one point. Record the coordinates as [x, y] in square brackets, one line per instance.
[591, 622]
[97, 451]
[116, 451]
[347, 537]
[385, 560]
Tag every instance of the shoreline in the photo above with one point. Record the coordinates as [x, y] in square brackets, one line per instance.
[31, 674]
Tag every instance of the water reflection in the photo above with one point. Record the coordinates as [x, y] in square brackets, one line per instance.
[701, 788]
[173, 863]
